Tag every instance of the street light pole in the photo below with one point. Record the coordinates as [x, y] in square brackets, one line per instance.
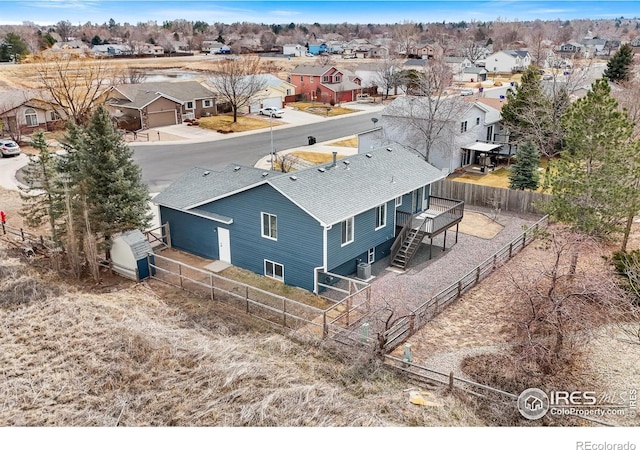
[271, 133]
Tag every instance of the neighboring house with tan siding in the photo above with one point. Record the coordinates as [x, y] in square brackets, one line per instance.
[151, 105]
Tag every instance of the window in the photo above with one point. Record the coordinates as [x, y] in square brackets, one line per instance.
[490, 133]
[288, 91]
[273, 270]
[426, 192]
[381, 216]
[301, 77]
[477, 120]
[31, 118]
[325, 78]
[206, 103]
[347, 231]
[54, 115]
[311, 79]
[371, 255]
[463, 126]
[399, 201]
[338, 78]
[269, 226]
[189, 105]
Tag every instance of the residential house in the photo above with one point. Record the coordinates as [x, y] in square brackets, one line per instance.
[464, 121]
[24, 112]
[508, 61]
[336, 47]
[318, 48]
[112, 50]
[457, 65]
[298, 228]
[569, 49]
[215, 48]
[274, 94]
[293, 50]
[635, 44]
[150, 105]
[473, 74]
[325, 83]
[378, 51]
[594, 47]
[425, 50]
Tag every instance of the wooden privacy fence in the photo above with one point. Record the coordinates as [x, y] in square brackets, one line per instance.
[418, 317]
[261, 304]
[491, 197]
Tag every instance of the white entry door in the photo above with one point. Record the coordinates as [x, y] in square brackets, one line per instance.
[224, 245]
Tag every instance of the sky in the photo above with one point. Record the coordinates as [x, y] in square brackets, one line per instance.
[46, 12]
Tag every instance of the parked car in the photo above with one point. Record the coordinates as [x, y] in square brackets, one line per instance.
[547, 76]
[272, 111]
[8, 148]
[466, 92]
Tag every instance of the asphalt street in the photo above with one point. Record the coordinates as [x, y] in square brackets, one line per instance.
[163, 163]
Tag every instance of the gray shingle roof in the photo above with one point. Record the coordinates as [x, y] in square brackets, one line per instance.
[310, 69]
[143, 93]
[350, 189]
[199, 186]
[330, 196]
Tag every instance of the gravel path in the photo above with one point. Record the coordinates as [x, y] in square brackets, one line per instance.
[424, 278]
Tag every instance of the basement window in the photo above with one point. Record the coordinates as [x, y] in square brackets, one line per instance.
[273, 270]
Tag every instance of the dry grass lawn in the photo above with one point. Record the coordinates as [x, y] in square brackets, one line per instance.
[315, 157]
[225, 123]
[350, 142]
[321, 109]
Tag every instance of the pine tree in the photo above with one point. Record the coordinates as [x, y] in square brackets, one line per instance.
[40, 197]
[534, 114]
[587, 193]
[104, 177]
[619, 66]
[524, 173]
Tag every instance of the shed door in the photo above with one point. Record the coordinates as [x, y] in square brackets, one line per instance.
[224, 245]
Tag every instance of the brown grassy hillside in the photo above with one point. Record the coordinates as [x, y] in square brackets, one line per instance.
[147, 355]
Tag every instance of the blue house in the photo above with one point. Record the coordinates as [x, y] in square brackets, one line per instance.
[295, 227]
[318, 49]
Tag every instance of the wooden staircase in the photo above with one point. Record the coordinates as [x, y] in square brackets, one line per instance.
[408, 249]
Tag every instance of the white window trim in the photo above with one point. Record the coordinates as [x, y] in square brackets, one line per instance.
[207, 103]
[274, 264]
[349, 241]
[33, 114]
[383, 209]
[193, 105]
[262, 230]
[399, 201]
[371, 255]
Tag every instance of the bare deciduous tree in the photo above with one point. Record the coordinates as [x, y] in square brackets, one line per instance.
[431, 118]
[236, 81]
[557, 312]
[388, 75]
[404, 36]
[75, 85]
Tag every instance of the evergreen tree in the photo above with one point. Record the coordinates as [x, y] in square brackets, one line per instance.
[619, 66]
[103, 176]
[524, 173]
[587, 192]
[533, 114]
[40, 197]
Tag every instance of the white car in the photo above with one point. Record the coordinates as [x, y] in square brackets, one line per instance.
[272, 111]
[466, 92]
[8, 148]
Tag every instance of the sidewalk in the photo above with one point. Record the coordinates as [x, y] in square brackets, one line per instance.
[182, 133]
